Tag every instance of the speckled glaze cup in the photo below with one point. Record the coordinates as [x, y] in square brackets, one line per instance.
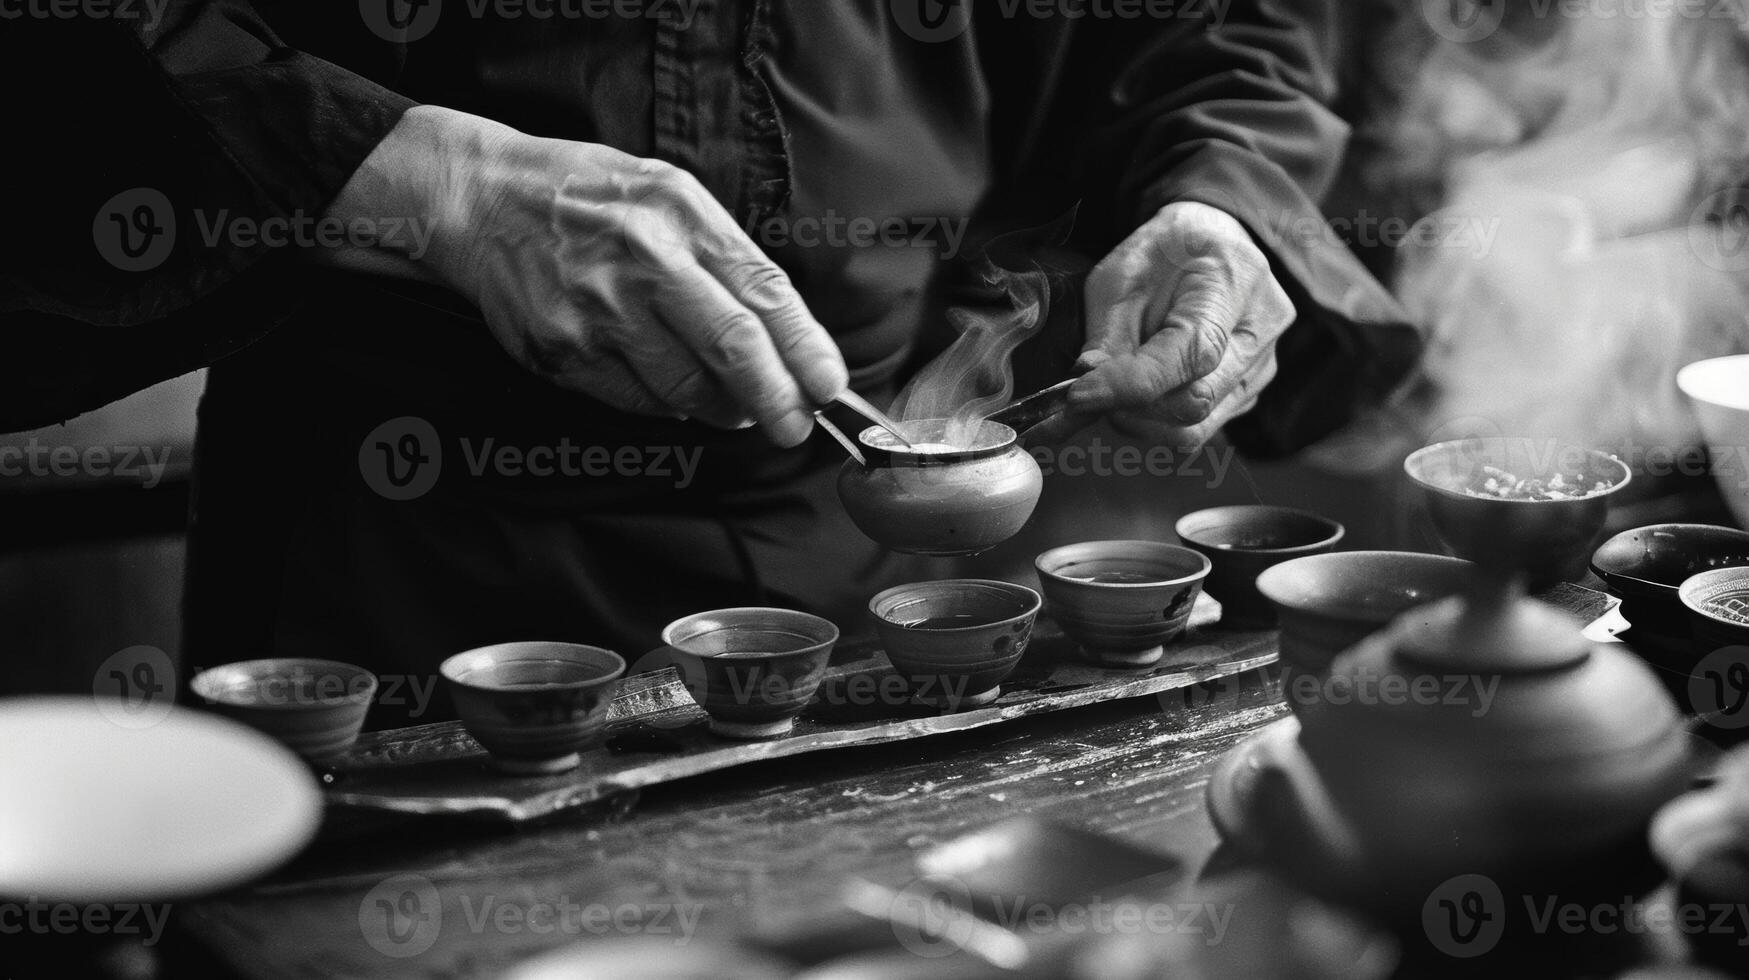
[751, 669]
[1123, 601]
[534, 706]
[313, 707]
[955, 666]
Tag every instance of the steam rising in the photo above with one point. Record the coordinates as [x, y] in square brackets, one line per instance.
[1600, 152]
[974, 377]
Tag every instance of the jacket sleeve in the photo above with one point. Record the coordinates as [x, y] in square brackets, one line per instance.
[151, 147]
[1236, 116]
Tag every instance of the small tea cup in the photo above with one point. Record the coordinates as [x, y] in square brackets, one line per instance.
[1123, 601]
[955, 640]
[1241, 541]
[534, 706]
[316, 708]
[751, 669]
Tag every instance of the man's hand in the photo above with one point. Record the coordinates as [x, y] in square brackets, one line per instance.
[1182, 320]
[607, 274]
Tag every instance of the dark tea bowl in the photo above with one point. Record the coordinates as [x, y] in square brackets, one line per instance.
[1645, 568]
[1123, 601]
[1547, 540]
[751, 669]
[956, 639]
[1241, 541]
[316, 708]
[536, 705]
[1328, 603]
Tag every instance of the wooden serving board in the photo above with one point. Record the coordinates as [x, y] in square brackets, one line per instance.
[656, 734]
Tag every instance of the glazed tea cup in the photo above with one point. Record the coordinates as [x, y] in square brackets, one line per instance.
[534, 706]
[1122, 601]
[314, 707]
[751, 669]
[955, 640]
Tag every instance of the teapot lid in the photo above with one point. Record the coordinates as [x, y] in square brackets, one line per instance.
[1493, 629]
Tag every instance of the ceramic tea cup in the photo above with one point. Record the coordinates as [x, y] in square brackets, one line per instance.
[1123, 601]
[534, 706]
[1241, 541]
[956, 639]
[1547, 539]
[316, 708]
[1717, 684]
[1718, 391]
[1328, 603]
[751, 669]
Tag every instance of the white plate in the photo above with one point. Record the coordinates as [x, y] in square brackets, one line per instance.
[92, 811]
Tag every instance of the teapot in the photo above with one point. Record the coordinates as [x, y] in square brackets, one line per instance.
[1483, 735]
[937, 497]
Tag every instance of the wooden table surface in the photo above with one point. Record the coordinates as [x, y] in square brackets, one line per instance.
[756, 850]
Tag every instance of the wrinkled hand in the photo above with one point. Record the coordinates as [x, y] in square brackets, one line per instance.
[607, 274]
[1182, 321]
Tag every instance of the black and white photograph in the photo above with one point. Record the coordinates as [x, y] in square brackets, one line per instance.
[866, 489]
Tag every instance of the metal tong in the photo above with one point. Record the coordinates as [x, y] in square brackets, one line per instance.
[861, 406]
[1034, 408]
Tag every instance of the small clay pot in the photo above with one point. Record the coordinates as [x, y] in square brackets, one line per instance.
[956, 502]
